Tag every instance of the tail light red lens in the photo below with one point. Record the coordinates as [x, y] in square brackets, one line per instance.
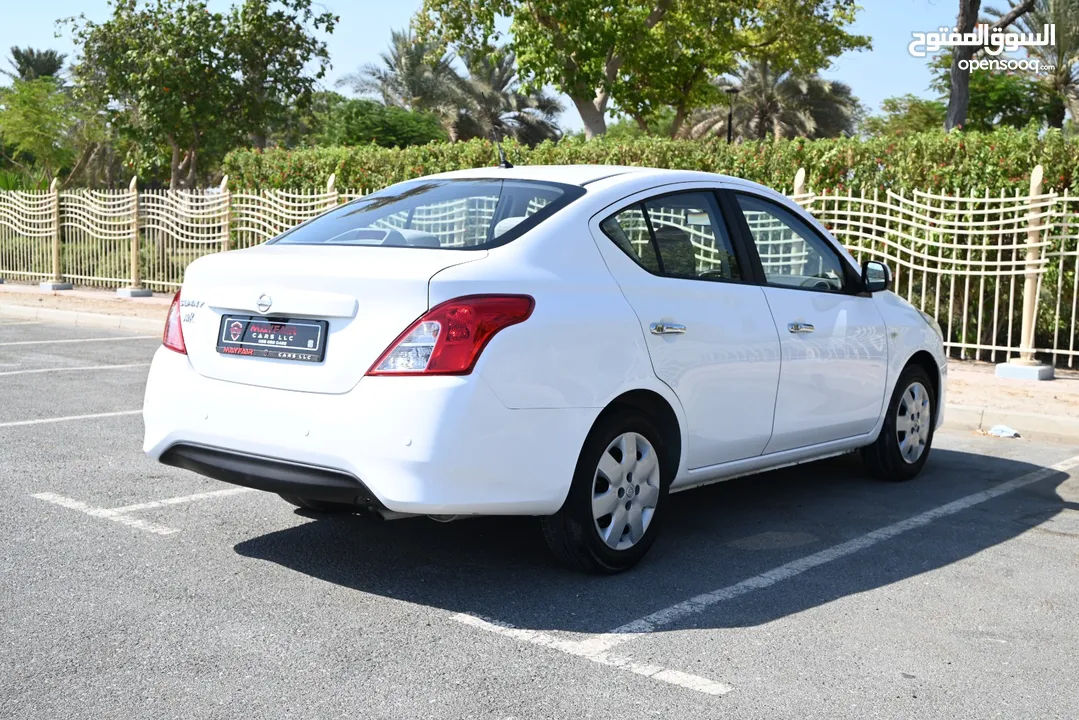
[449, 338]
[173, 338]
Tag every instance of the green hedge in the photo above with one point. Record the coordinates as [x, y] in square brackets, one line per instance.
[999, 160]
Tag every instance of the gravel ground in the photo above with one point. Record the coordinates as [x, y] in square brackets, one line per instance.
[237, 604]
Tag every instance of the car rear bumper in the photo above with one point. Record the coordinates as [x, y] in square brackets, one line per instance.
[271, 475]
[421, 445]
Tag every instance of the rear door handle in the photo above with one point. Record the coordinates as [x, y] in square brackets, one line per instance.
[660, 328]
[797, 327]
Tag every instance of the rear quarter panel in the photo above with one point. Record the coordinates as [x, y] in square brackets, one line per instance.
[582, 346]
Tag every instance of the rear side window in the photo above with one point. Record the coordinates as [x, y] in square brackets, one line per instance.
[629, 231]
[435, 213]
[691, 237]
[681, 235]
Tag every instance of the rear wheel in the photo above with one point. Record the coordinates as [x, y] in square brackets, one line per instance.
[611, 515]
[317, 505]
[906, 437]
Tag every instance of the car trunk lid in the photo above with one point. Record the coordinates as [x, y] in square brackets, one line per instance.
[366, 295]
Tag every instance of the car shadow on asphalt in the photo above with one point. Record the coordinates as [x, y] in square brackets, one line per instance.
[717, 536]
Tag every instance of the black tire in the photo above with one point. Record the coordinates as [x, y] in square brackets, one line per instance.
[572, 532]
[318, 505]
[884, 458]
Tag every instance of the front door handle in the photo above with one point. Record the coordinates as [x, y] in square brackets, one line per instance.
[798, 327]
[660, 328]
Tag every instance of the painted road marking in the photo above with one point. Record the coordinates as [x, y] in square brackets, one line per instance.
[81, 340]
[44, 421]
[121, 514]
[597, 647]
[21, 322]
[180, 500]
[105, 513]
[656, 672]
[74, 369]
[604, 642]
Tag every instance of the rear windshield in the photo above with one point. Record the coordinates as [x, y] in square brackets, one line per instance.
[451, 214]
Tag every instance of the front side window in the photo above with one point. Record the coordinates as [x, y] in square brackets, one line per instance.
[436, 213]
[791, 253]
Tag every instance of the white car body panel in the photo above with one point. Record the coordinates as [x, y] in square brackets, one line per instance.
[833, 379]
[505, 438]
[728, 357]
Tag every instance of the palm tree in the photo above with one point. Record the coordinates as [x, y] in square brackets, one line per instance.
[498, 107]
[31, 64]
[414, 76]
[1063, 81]
[779, 103]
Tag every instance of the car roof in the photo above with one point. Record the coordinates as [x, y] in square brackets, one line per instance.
[572, 174]
[584, 175]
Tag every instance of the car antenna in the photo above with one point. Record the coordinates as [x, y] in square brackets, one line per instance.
[503, 162]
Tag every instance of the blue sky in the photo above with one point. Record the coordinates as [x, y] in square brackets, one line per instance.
[882, 72]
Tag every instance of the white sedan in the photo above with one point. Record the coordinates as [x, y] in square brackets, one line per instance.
[569, 342]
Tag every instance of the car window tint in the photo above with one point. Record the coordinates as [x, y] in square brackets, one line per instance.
[791, 253]
[691, 237]
[629, 231]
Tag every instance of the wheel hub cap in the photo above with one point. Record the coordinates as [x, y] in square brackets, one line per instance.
[625, 490]
[913, 422]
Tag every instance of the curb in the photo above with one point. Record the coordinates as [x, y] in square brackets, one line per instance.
[1029, 425]
[83, 319]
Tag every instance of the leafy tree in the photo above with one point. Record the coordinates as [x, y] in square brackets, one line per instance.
[906, 115]
[497, 107]
[348, 121]
[959, 95]
[178, 77]
[273, 43]
[777, 104]
[31, 64]
[643, 55]
[1062, 82]
[997, 98]
[35, 116]
[659, 123]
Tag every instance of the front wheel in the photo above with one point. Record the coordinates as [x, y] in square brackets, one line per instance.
[611, 515]
[906, 437]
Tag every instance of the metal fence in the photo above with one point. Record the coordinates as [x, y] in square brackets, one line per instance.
[999, 271]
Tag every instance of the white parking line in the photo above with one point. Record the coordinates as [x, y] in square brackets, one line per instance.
[21, 322]
[602, 643]
[656, 672]
[121, 514]
[74, 369]
[105, 513]
[44, 421]
[81, 340]
[180, 500]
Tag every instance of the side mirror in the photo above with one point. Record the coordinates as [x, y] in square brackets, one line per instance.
[876, 276]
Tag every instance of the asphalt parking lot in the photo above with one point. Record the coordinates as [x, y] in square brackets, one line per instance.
[131, 589]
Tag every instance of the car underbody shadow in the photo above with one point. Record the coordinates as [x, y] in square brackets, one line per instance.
[713, 537]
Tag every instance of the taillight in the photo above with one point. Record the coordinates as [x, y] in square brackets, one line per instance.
[449, 338]
[173, 338]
